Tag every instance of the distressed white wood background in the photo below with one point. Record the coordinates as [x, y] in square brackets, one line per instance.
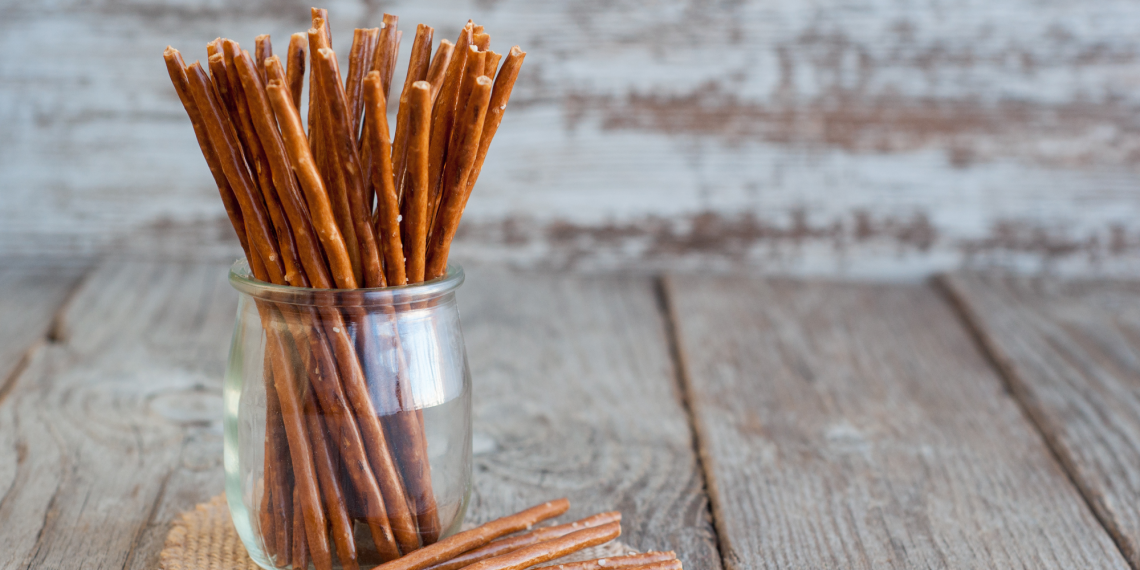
[880, 138]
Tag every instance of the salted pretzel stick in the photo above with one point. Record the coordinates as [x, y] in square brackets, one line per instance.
[439, 65]
[263, 49]
[471, 72]
[387, 204]
[512, 543]
[359, 59]
[321, 139]
[528, 556]
[418, 64]
[346, 159]
[301, 159]
[500, 96]
[492, 63]
[300, 557]
[459, 543]
[226, 98]
[284, 182]
[628, 561]
[177, 70]
[455, 178]
[295, 63]
[383, 62]
[443, 117]
[415, 222]
[341, 524]
[257, 224]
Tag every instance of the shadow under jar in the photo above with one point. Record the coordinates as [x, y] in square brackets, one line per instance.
[347, 421]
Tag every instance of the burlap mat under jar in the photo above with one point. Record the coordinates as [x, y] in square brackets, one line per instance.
[205, 539]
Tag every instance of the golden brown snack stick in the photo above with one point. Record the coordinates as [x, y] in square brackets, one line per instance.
[285, 183]
[627, 561]
[383, 62]
[417, 70]
[177, 70]
[359, 59]
[482, 41]
[226, 97]
[300, 557]
[295, 63]
[665, 565]
[319, 16]
[492, 64]
[474, 69]
[528, 556]
[326, 467]
[408, 428]
[387, 203]
[438, 68]
[500, 96]
[512, 543]
[414, 206]
[301, 158]
[327, 164]
[470, 539]
[342, 148]
[279, 497]
[443, 117]
[258, 228]
[454, 196]
[263, 50]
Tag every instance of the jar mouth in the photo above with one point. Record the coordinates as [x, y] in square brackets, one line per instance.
[242, 279]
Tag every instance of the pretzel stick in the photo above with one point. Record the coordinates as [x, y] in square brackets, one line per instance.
[476, 29]
[528, 556]
[628, 561]
[319, 16]
[383, 62]
[455, 178]
[301, 158]
[343, 152]
[492, 63]
[300, 557]
[482, 41]
[256, 223]
[263, 50]
[359, 59]
[293, 204]
[471, 72]
[512, 543]
[387, 203]
[277, 499]
[417, 71]
[443, 117]
[295, 63]
[439, 65]
[330, 487]
[414, 205]
[177, 70]
[459, 543]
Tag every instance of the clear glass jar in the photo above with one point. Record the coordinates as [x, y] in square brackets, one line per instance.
[347, 420]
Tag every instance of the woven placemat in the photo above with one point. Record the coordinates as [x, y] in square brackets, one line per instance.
[205, 539]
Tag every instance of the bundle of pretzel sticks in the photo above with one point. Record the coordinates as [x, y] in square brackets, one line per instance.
[346, 204]
[488, 547]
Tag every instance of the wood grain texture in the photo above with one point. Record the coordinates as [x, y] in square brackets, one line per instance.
[112, 431]
[841, 136]
[30, 296]
[859, 426]
[1070, 351]
[575, 395]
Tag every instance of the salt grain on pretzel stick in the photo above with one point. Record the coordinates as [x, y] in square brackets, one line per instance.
[418, 64]
[443, 117]
[318, 200]
[439, 64]
[295, 63]
[455, 179]
[257, 224]
[359, 59]
[177, 70]
[512, 543]
[470, 539]
[628, 561]
[528, 556]
[387, 204]
[326, 467]
[415, 223]
[342, 149]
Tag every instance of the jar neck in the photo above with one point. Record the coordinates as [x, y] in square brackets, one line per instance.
[419, 295]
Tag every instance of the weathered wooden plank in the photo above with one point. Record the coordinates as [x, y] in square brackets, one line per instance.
[576, 395]
[1071, 353]
[859, 426]
[833, 136]
[109, 433]
[30, 296]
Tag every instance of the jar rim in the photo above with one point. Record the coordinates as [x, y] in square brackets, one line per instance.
[242, 279]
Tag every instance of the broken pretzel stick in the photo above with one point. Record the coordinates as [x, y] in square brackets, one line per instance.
[263, 49]
[512, 543]
[528, 556]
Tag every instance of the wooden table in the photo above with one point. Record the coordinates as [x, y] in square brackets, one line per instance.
[978, 421]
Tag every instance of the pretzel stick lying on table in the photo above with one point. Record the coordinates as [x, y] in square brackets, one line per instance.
[512, 543]
[628, 561]
[528, 556]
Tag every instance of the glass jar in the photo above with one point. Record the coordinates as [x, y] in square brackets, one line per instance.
[347, 420]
